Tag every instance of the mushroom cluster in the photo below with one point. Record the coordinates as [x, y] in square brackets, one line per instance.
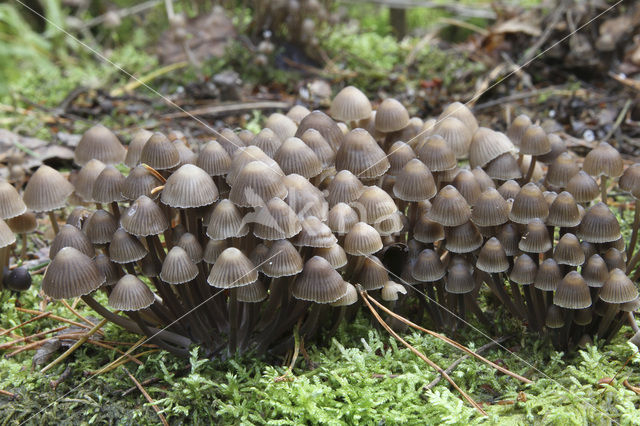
[255, 234]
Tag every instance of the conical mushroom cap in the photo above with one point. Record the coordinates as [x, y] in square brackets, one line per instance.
[509, 237]
[483, 179]
[276, 221]
[492, 257]
[350, 297]
[630, 180]
[462, 113]
[344, 188]
[140, 181]
[100, 227]
[486, 145]
[297, 113]
[130, 294]
[548, 276]
[144, 218]
[603, 160]
[177, 267]
[517, 128]
[599, 225]
[529, 204]
[70, 236]
[536, 238]
[125, 249]
[456, 134]
[246, 155]
[160, 153]
[618, 288]
[534, 141]
[374, 205]
[71, 274]
[325, 125]
[230, 141]
[232, 269]
[192, 246]
[467, 185]
[350, 104]
[373, 275]
[390, 291]
[342, 218]
[427, 231]
[391, 116]
[214, 159]
[46, 190]
[361, 155]
[415, 182]
[391, 225]
[108, 186]
[304, 198]
[503, 167]
[315, 234]
[595, 271]
[86, 179]
[399, 154]
[212, 250]
[524, 270]
[252, 293]
[134, 150]
[554, 318]
[449, 208]
[428, 267]
[294, 156]
[284, 260]
[101, 144]
[362, 240]
[572, 292]
[436, 154]
[7, 237]
[509, 190]
[564, 211]
[459, 278]
[189, 187]
[24, 223]
[11, 204]
[563, 168]
[583, 187]
[464, 238]
[267, 141]
[568, 251]
[490, 209]
[319, 282]
[335, 255]
[281, 125]
[256, 184]
[226, 221]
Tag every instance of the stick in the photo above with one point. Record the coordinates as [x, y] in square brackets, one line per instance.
[27, 338]
[15, 327]
[54, 317]
[79, 315]
[419, 354]
[147, 396]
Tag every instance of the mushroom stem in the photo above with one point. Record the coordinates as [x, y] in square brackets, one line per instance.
[233, 320]
[532, 167]
[115, 209]
[610, 313]
[155, 339]
[23, 250]
[634, 231]
[54, 222]
[568, 321]
[533, 321]
[498, 286]
[603, 188]
[632, 322]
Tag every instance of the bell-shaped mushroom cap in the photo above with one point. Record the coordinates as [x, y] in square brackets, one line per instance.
[483, 178]
[275, 221]
[160, 153]
[391, 224]
[110, 270]
[100, 227]
[529, 204]
[350, 297]
[144, 218]
[232, 269]
[212, 250]
[315, 234]
[630, 180]
[568, 251]
[11, 204]
[486, 145]
[589, 249]
[86, 178]
[252, 293]
[517, 128]
[256, 184]
[46, 190]
[101, 144]
[399, 154]
[304, 198]
[108, 186]
[342, 218]
[177, 267]
[412, 130]
[283, 260]
[467, 185]
[361, 155]
[294, 156]
[335, 255]
[230, 141]
[536, 238]
[362, 240]
[130, 294]
[595, 271]
[464, 238]
[71, 274]
[490, 209]
[428, 267]
[373, 274]
[449, 208]
[599, 225]
[185, 154]
[492, 257]
[554, 318]
[70, 236]
[618, 288]
[150, 266]
[350, 104]
[631, 306]
[462, 113]
[564, 211]
[281, 125]
[319, 282]
[258, 255]
[125, 249]
[226, 221]
[534, 141]
[390, 291]
[509, 237]
[414, 182]
[189, 187]
[325, 125]
[374, 205]
[583, 187]
[456, 134]
[436, 154]
[503, 167]
[548, 275]
[134, 150]
[214, 159]
[344, 188]
[267, 141]
[509, 190]
[140, 181]
[603, 160]
[572, 292]
[246, 155]
[459, 278]
[614, 258]
[297, 113]
[427, 231]
[558, 146]
[563, 168]
[7, 237]
[391, 116]
[190, 244]
[524, 270]
[318, 144]
[24, 223]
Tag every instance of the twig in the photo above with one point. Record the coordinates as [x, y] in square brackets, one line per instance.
[54, 317]
[234, 108]
[15, 327]
[75, 346]
[128, 352]
[419, 354]
[66, 373]
[79, 315]
[147, 397]
[121, 361]
[294, 357]
[459, 361]
[619, 120]
[33, 336]
[7, 393]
